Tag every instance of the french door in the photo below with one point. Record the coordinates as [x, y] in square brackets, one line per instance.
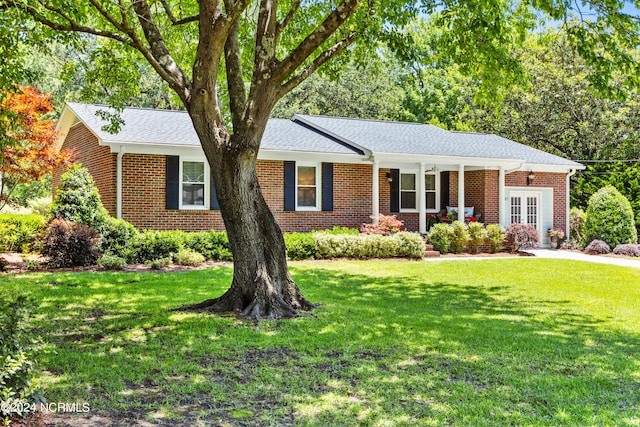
[525, 208]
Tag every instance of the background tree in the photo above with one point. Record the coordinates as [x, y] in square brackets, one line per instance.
[230, 62]
[27, 145]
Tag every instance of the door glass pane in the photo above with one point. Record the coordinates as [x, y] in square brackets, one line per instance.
[306, 175]
[430, 182]
[532, 211]
[408, 200]
[516, 210]
[407, 182]
[307, 196]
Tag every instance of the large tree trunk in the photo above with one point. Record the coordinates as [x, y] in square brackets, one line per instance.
[262, 287]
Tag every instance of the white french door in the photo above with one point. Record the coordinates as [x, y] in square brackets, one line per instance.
[524, 208]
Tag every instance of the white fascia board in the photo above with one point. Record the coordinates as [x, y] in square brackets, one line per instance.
[536, 167]
[393, 160]
[367, 152]
[311, 156]
[156, 149]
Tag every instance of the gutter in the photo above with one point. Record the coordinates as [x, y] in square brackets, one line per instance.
[119, 182]
[568, 202]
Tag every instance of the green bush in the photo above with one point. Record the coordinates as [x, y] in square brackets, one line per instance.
[18, 232]
[440, 237]
[70, 244]
[213, 245]
[477, 236]
[496, 237]
[368, 246]
[112, 262]
[577, 218]
[188, 257]
[301, 245]
[459, 237]
[77, 199]
[610, 218]
[160, 263]
[117, 235]
[338, 230]
[151, 245]
[19, 350]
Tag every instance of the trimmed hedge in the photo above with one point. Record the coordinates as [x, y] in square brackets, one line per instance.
[19, 232]
[369, 245]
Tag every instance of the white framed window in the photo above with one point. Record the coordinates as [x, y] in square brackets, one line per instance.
[194, 184]
[307, 186]
[431, 183]
[408, 191]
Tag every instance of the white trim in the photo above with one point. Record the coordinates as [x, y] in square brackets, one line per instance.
[318, 186]
[207, 184]
[567, 205]
[375, 192]
[461, 189]
[502, 198]
[119, 182]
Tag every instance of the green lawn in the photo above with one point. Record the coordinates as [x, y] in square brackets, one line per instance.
[470, 343]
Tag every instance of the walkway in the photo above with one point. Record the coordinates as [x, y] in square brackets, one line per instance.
[570, 255]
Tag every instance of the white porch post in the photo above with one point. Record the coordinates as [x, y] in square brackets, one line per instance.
[501, 198]
[422, 200]
[461, 192]
[375, 191]
[119, 183]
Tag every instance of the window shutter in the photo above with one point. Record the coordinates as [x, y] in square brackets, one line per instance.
[289, 186]
[173, 182]
[215, 205]
[394, 193]
[327, 186]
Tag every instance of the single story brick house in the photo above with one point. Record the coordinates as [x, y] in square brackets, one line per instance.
[317, 172]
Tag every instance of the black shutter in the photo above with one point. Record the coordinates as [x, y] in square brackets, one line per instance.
[215, 205]
[327, 186]
[173, 182]
[289, 186]
[394, 193]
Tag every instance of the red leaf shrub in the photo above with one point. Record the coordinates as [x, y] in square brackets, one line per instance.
[628, 249]
[387, 225]
[521, 236]
[597, 247]
[69, 244]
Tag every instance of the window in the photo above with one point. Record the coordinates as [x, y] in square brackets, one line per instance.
[430, 190]
[193, 185]
[307, 193]
[408, 193]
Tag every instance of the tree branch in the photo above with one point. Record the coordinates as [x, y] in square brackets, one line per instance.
[173, 19]
[320, 60]
[235, 82]
[317, 37]
[283, 24]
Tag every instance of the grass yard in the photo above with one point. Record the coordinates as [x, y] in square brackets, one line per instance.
[468, 343]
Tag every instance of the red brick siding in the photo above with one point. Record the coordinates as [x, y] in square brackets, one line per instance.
[100, 162]
[557, 181]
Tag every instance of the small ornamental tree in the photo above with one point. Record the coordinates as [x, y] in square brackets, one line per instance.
[610, 218]
[27, 141]
[77, 199]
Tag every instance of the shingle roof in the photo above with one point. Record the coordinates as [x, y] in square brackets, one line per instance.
[168, 127]
[322, 134]
[413, 138]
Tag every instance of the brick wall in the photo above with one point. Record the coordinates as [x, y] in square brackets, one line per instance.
[100, 162]
[557, 181]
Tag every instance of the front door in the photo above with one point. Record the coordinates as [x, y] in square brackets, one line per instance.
[525, 208]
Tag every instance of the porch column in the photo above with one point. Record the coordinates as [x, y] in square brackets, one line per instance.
[501, 198]
[422, 200]
[461, 192]
[119, 182]
[375, 192]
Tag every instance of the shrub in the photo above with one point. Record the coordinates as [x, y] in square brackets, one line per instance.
[18, 353]
[610, 218]
[339, 230]
[151, 245]
[19, 231]
[577, 217]
[477, 236]
[117, 236]
[214, 245]
[440, 237]
[627, 249]
[41, 205]
[301, 245]
[387, 224]
[69, 244]
[77, 199]
[159, 263]
[3, 264]
[112, 262]
[598, 247]
[368, 246]
[188, 257]
[496, 237]
[522, 236]
[459, 237]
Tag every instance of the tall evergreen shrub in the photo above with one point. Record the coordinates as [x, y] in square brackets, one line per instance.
[610, 218]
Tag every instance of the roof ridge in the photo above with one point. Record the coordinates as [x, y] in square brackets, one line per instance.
[161, 110]
[369, 120]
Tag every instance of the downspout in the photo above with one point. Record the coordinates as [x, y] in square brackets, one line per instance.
[502, 198]
[119, 182]
[568, 202]
[375, 190]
